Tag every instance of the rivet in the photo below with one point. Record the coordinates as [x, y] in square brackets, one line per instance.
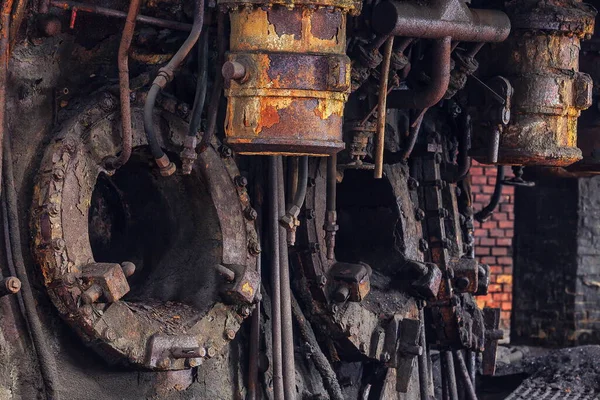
[250, 213]
[241, 181]
[211, 352]
[230, 334]
[58, 244]
[109, 334]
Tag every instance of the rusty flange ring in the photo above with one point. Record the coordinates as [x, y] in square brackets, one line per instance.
[165, 336]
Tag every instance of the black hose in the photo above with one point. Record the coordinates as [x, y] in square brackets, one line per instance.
[300, 194]
[488, 210]
[201, 86]
[45, 356]
[157, 151]
[322, 364]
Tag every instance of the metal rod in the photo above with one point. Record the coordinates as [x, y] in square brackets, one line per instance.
[275, 279]
[488, 210]
[443, 368]
[124, 91]
[464, 374]
[381, 107]
[226, 272]
[423, 361]
[4, 56]
[415, 128]
[450, 375]
[472, 365]
[287, 334]
[109, 12]
[331, 213]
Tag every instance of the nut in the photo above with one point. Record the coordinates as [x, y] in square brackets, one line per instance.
[230, 334]
[250, 213]
[241, 181]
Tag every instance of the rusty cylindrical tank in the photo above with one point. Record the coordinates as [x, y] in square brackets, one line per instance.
[541, 60]
[287, 76]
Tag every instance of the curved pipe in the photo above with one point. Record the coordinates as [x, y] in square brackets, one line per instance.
[488, 210]
[435, 91]
[200, 97]
[4, 55]
[464, 143]
[415, 128]
[165, 75]
[300, 195]
[124, 91]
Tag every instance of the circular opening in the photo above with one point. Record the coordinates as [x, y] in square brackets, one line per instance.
[166, 226]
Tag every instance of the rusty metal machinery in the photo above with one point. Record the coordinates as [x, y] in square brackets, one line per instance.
[287, 76]
[540, 59]
[153, 326]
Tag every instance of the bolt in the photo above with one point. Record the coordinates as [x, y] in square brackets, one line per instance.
[341, 294]
[87, 311]
[211, 352]
[128, 268]
[234, 70]
[192, 362]
[310, 213]
[53, 209]
[413, 184]
[250, 213]
[385, 356]
[245, 311]
[58, 244]
[183, 109]
[165, 363]
[225, 151]
[108, 102]
[109, 334]
[69, 279]
[462, 283]
[322, 280]
[423, 245]
[10, 285]
[419, 214]
[230, 334]
[314, 247]
[254, 247]
[241, 181]
[50, 26]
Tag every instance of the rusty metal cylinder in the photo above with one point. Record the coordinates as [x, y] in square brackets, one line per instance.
[287, 76]
[541, 60]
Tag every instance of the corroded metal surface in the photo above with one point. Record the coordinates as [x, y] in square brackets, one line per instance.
[541, 61]
[118, 329]
[295, 78]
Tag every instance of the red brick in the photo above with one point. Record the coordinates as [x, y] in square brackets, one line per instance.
[501, 296]
[507, 270]
[490, 170]
[500, 216]
[478, 180]
[509, 232]
[481, 232]
[498, 233]
[506, 224]
[488, 260]
[508, 190]
[510, 208]
[487, 189]
[482, 198]
[476, 171]
[490, 225]
[504, 242]
[499, 251]
[506, 306]
[505, 260]
[482, 251]
[484, 241]
[496, 269]
[493, 288]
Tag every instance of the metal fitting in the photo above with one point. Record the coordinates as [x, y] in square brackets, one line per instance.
[166, 167]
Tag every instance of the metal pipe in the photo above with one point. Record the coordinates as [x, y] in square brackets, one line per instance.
[331, 226]
[45, 356]
[415, 128]
[4, 56]
[488, 210]
[124, 91]
[464, 143]
[414, 20]
[471, 365]
[464, 374]
[275, 279]
[215, 96]
[423, 361]
[450, 375]
[287, 334]
[322, 364]
[381, 107]
[109, 12]
[165, 75]
[435, 91]
[300, 192]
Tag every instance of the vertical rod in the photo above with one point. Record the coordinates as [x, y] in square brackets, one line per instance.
[443, 368]
[450, 376]
[275, 279]
[423, 361]
[287, 334]
[331, 213]
[430, 374]
[464, 374]
[471, 365]
[382, 108]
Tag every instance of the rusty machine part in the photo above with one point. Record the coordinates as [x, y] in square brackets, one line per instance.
[541, 61]
[287, 76]
[92, 295]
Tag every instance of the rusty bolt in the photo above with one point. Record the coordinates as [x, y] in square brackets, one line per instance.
[87, 311]
[107, 103]
[341, 294]
[310, 213]
[58, 244]
[211, 352]
[225, 151]
[419, 214]
[183, 109]
[10, 285]
[50, 26]
[241, 181]
[165, 363]
[322, 280]
[233, 70]
[53, 209]
[230, 334]
[423, 245]
[314, 247]
[250, 213]
[413, 184]
[92, 294]
[385, 356]
[109, 334]
[192, 363]
[128, 268]
[245, 311]
[254, 247]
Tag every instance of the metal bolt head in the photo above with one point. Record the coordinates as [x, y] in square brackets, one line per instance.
[58, 244]
[211, 352]
[233, 70]
[50, 26]
[254, 248]
[385, 356]
[128, 268]
[412, 183]
[225, 151]
[250, 214]
[423, 245]
[53, 209]
[58, 174]
[165, 363]
[419, 214]
[314, 247]
[109, 334]
[241, 181]
[12, 284]
[230, 334]
[192, 362]
[245, 311]
[322, 280]
[310, 213]
[462, 283]
[69, 279]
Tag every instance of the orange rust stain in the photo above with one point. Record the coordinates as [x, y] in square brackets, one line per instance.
[268, 117]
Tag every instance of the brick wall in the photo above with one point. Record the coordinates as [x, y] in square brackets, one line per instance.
[493, 239]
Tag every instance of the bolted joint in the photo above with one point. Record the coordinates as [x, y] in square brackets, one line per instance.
[165, 166]
[188, 154]
[128, 268]
[10, 285]
[164, 76]
[234, 71]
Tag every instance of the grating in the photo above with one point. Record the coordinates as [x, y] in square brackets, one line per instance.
[529, 392]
